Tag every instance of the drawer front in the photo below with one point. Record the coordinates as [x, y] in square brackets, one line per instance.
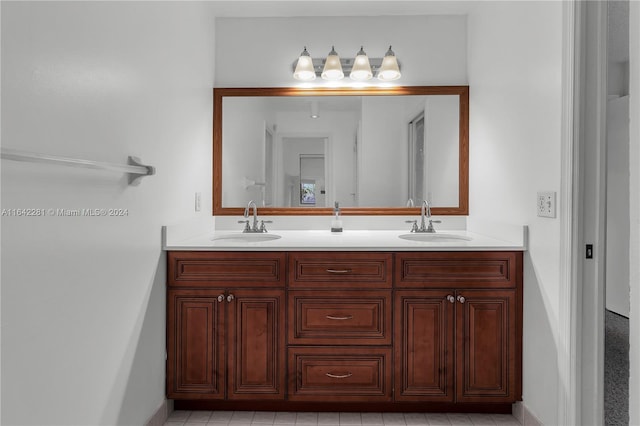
[340, 374]
[240, 269]
[458, 269]
[337, 269]
[340, 317]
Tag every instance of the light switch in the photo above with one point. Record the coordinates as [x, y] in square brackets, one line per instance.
[197, 201]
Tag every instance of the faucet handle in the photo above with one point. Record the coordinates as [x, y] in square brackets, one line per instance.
[430, 228]
[247, 228]
[262, 227]
[414, 227]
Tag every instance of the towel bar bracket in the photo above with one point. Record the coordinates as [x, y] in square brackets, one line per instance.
[134, 178]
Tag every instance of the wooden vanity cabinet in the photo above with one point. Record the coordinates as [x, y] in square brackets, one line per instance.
[225, 342]
[385, 331]
[458, 327]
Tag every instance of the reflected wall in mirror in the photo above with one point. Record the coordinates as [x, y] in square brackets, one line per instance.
[375, 150]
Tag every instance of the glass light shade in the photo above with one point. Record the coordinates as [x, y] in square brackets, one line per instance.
[361, 70]
[389, 70]
[332, 67]
[304, 68]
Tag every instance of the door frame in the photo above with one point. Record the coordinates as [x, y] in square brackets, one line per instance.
[583, 214]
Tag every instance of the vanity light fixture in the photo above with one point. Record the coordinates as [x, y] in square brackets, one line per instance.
[389, 70]
[334, 68]
[361, 70]
[304, 68]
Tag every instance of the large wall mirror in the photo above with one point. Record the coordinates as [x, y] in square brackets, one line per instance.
[377, 151]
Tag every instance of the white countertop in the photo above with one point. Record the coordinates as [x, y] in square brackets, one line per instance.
[348, 240]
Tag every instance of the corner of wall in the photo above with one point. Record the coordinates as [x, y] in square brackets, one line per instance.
[162, 414]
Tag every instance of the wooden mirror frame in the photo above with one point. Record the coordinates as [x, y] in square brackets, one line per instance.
[463, 179]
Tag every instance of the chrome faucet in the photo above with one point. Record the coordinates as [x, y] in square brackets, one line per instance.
[425, 214]
[255, 214]
[254, 227]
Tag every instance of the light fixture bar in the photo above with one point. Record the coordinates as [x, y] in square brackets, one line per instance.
[347, 65]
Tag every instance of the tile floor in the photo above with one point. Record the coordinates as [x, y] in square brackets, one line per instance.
[263, 418]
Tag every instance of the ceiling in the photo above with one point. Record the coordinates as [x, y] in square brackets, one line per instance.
[257, 8]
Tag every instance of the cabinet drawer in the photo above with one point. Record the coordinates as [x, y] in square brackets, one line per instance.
[340, 374]
[340, 317]
[240, 269]
[458, 269]
[337, 269]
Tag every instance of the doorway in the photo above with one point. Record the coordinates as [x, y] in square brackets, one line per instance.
[617, 296]
[591, 211]
[418, 182]
[305, 176]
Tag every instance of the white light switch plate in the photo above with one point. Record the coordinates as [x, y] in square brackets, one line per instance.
[198, 199]
[546, 204]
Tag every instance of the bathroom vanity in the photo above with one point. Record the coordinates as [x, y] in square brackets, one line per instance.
[354, 320]
[332, 324]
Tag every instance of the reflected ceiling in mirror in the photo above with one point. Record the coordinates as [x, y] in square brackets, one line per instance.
[377, 151]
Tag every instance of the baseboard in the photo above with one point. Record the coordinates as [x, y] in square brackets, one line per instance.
[162, 413]
[524, 416]
[341, 406]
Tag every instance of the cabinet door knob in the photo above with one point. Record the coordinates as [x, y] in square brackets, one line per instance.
[461, 299]
[221, 298]
[230, 298]
[451, 299]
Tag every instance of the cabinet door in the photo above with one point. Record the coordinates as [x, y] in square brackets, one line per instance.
[486, 346]
[195, 350]
[256, 344]
[423, 342]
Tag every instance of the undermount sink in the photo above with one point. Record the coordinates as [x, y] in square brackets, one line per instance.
[434, 237]
[246, 237]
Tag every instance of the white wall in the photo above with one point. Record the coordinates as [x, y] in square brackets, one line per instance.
[83, 298]
[442, 118]
[515, 69]
[245, 126]
[383, 153]
[431, 49]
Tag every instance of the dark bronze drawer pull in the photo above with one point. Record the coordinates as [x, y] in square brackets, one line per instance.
[339, 376]
[338, 271]
[331, 317]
